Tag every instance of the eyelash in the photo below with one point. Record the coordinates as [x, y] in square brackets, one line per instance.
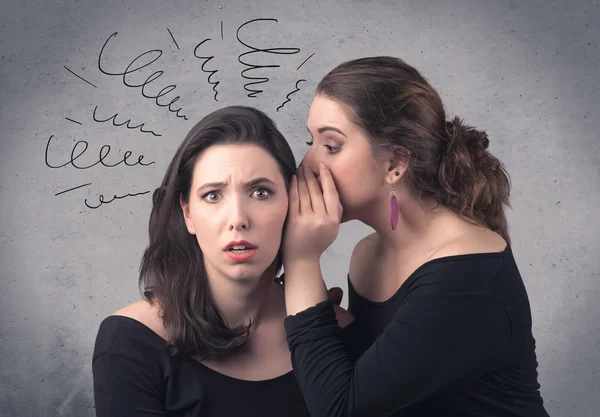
[269, 193]
[330, 149]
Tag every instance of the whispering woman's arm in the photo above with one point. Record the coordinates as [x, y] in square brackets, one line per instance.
[429, 344]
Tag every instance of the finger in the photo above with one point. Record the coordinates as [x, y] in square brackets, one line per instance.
[343, 317]
[330, 194]
[316, 195]
[335, 295]
[303, 194]
[294, 203]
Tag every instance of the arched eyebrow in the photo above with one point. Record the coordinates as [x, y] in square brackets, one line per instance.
[326, 128]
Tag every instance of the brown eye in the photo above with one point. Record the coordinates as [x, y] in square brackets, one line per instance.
[262, 193]
[211, 197]
[332, 149]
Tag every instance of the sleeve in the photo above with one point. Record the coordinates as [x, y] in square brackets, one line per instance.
[124, 387]
[428, 345]
[354, 340]
[126, 372]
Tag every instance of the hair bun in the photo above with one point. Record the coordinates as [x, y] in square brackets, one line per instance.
[475, 141]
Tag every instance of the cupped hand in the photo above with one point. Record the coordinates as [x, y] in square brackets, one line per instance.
[313, 216]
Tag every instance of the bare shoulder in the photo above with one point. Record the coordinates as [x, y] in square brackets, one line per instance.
[146, 313]
[472, 241]
[363, 256]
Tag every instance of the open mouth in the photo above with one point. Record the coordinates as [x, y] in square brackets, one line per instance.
[240, 251]
[240, 248]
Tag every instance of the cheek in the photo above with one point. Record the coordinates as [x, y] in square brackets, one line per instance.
[272, 220]
[354, 182]
[345, 177]
[204, 222]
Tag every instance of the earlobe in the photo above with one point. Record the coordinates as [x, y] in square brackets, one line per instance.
[397, 174]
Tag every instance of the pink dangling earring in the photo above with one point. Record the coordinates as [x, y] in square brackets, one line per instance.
[394, 206]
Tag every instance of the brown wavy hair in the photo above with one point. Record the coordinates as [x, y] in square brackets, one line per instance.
[172, 269]
[393, 104]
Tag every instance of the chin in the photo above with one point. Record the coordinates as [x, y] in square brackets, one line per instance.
[347, 215]
[246, 272]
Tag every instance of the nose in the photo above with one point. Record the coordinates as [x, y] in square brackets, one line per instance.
[238, 215]
[310, 161]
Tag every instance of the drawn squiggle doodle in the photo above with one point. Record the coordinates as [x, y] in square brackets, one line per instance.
[72, 189]
[206, 61]
[115, 197]
[104, 152]
[126, 123]
[154, 76]
[288, 99]
[277, 51]
[74, 121]
[304, 62]
[251, 57]
[174, 41]
[80, 77]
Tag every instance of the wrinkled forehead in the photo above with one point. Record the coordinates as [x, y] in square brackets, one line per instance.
[235, 164]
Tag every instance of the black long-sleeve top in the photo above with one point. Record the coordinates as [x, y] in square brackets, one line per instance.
[455, 340]
[136, 375]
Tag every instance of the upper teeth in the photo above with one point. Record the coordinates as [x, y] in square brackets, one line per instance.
[238, 247]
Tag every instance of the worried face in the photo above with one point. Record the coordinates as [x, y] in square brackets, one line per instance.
[237, 208]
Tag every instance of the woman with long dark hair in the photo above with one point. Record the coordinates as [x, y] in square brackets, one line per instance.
[207, 339]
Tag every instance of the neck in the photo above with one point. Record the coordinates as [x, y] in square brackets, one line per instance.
[239, 301]
[415, 222]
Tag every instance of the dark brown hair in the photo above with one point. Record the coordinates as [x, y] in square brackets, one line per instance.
[393, 104]
[172, 270]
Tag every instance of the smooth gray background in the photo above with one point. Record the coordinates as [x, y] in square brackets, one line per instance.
[528, 72]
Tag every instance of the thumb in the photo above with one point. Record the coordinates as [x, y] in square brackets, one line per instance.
[335, 295]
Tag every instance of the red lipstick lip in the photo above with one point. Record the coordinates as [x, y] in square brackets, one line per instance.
[241, 242]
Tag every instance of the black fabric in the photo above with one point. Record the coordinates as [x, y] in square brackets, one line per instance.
[136, 376]
[455, 340]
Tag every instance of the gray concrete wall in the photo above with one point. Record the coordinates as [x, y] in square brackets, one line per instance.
[527, 71]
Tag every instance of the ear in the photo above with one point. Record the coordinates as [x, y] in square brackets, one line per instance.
[397, 164]
[185, 208]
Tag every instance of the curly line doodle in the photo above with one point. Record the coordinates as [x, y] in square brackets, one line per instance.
[104, 152]
[206, 61]
[126, 123]
[115, 197]
[154, 76]
[277, 51]
[288, 99]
